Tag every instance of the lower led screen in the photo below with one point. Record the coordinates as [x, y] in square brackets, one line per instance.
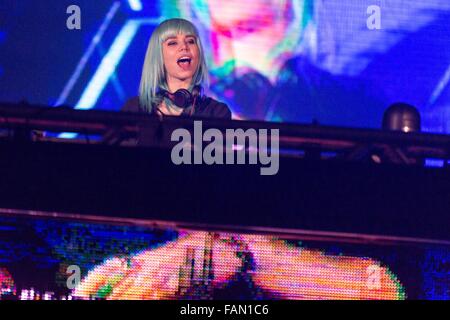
[49, 258]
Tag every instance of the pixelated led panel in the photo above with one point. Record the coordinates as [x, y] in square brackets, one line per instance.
[58, 256]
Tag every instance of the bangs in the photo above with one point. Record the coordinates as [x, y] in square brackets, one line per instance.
[173, 27]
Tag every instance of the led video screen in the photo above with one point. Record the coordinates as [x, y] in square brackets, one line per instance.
[55, 256]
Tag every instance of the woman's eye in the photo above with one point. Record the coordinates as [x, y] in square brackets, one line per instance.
[191, 41]
[171, 43]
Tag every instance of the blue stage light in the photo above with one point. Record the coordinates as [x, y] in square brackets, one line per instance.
[108, 65]
[135, 5]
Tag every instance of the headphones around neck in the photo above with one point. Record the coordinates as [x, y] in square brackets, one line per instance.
[183, 98]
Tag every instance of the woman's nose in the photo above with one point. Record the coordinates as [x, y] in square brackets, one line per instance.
[184, 46]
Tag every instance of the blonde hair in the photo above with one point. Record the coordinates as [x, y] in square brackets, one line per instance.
[153, 72]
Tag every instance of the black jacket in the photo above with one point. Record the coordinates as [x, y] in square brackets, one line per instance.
[206, 107]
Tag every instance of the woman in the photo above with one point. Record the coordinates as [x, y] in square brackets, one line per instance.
[175, 60]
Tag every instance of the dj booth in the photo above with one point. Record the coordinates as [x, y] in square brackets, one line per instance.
[349, 213]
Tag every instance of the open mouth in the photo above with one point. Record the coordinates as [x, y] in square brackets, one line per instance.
[184, 62]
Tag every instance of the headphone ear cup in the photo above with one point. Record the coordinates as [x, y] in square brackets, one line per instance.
[182, 98]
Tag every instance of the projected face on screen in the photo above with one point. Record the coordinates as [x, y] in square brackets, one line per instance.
[48, 258]
[200, 263]
[248, 45]
[261, 37]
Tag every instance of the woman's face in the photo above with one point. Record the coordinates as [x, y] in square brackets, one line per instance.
[181, 57]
